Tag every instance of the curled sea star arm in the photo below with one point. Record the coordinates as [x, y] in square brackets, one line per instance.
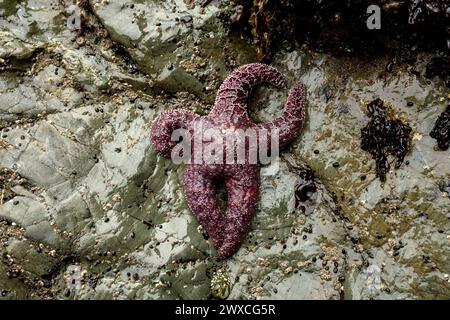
[290, 122]
[200, 195]
[231, 99]
[163, 127]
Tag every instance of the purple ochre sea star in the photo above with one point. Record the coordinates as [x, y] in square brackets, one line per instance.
[228, 230]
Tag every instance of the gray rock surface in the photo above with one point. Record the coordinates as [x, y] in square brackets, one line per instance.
[88, 210]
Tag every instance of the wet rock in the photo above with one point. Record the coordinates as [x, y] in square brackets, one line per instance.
[30, 214]
[151, 38]
[37, 263]
[26, 19]
[275, 246]
[177, 79]
[180, 46]
[81, 220]
[360, 201]
[12, 289]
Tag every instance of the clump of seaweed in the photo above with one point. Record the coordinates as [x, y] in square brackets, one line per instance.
[439, 67]
[340, 27]
[260, 19]
[441, 130]
[383, 136]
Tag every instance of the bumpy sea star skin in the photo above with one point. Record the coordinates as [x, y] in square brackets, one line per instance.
[227, 231]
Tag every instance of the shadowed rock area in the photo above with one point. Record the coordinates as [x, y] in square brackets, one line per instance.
[88, 210]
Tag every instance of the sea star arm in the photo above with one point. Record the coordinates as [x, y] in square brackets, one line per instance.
[163, 127]
[242, 193]
[231, 99]
[201, 198]
[291, 121]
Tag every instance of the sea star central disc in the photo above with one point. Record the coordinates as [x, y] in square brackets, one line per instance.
[229, 117]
